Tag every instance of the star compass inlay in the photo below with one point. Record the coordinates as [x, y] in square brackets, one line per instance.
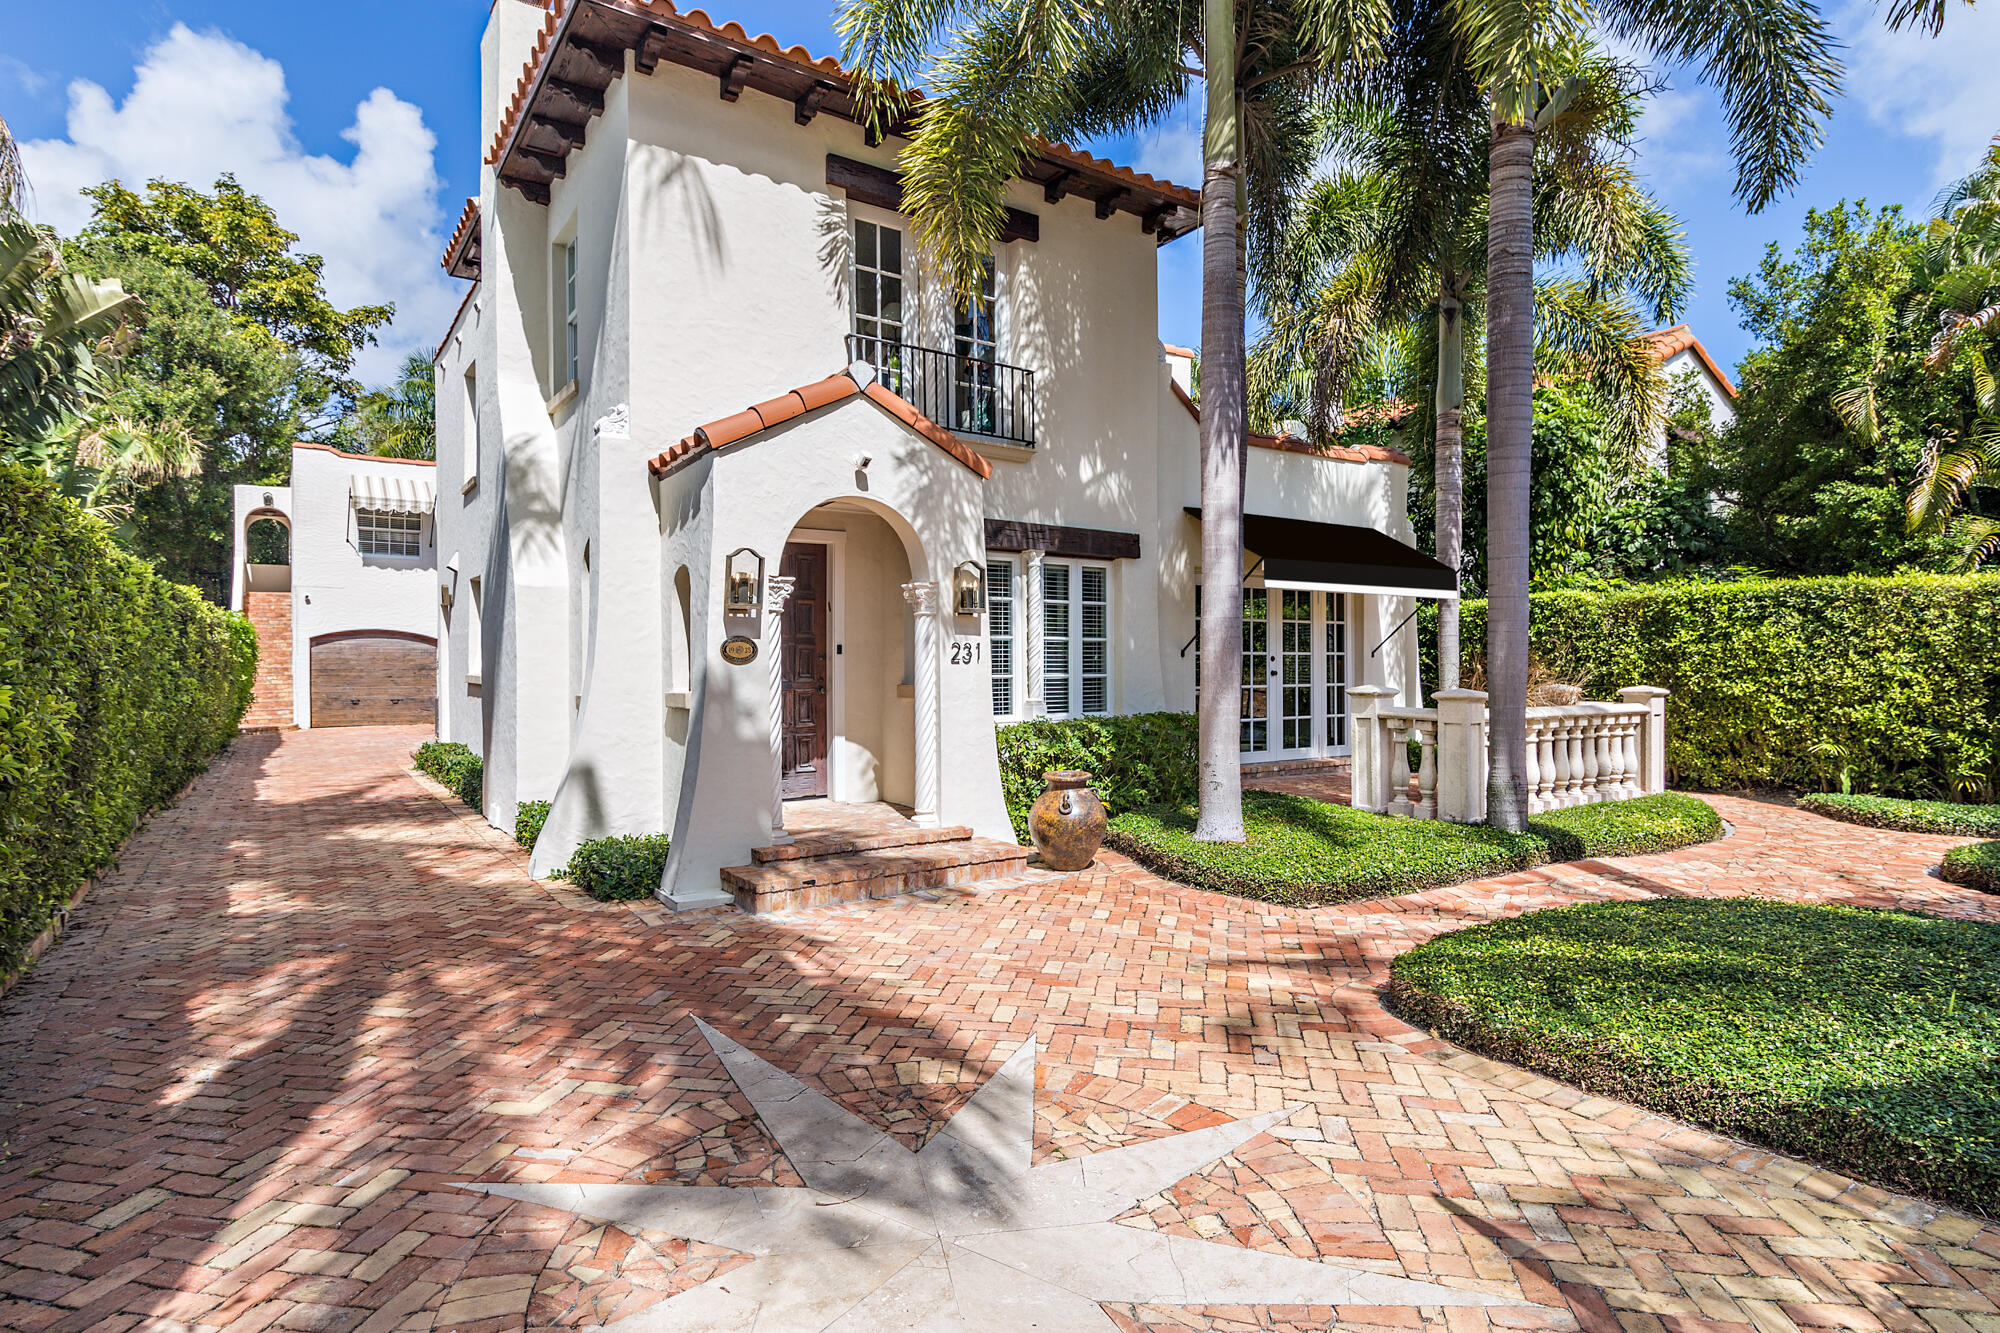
[964, 1234]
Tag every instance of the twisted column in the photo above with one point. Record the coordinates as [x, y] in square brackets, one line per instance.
[777, 591]
[923, 600]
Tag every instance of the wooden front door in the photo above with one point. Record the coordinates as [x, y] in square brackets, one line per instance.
[805, 673]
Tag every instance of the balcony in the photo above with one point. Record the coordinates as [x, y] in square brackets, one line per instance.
[965, 395]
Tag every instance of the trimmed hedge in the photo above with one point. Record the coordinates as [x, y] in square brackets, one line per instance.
[529, 816]
[1893, 683]
[619, 869]
[1866, 1040]
[1137, 760]
[1961, 821]
[456, 767]
[116, 687]
[1975, 865]
[1303, 852]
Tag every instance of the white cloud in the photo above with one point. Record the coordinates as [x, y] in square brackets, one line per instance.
[1940, 89]
[202, 105]
[1172, 151]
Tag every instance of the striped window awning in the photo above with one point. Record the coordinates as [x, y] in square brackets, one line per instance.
[392, 494]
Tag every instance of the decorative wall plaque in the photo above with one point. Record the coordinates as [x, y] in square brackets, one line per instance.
[739, 650]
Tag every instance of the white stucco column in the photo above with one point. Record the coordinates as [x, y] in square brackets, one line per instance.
[923, 600]
[1037, 705]
[777, 591]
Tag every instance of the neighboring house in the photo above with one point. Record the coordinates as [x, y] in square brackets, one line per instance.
[668, 611]
[347, 624]
[1679, 351]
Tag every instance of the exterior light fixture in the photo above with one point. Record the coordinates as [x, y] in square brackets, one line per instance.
[968, 589]
[744, 585]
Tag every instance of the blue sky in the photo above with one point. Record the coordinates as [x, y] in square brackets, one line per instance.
[360, 122]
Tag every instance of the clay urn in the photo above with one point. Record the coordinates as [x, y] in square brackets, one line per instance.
[1067, 821]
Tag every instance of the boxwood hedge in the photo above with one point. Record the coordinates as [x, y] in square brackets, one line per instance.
[1136, 760]
[116, 687]
[1893, 683]
[619, 869]
[1866, 1040]
[1975, 865]
[529, 816]
[456, 767]
[1946, 817]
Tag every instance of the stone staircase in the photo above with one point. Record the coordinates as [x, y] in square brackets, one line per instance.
[845, 854]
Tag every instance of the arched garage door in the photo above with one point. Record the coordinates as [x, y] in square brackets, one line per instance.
[374, 678]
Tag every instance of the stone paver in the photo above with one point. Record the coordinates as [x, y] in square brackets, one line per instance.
[316, 996]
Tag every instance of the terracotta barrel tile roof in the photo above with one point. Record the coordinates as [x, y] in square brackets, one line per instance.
[662, 14]
[1671, 342]
[462, 236]
[740, 426]
[1340, 453]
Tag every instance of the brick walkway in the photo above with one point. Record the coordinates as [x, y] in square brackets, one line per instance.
[315, 994]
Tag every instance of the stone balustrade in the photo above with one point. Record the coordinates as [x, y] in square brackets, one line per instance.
[1578, 754]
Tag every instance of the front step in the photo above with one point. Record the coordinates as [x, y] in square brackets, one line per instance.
[846, 844]
[785, 884]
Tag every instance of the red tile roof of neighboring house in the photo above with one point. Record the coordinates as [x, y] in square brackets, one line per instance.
[1669, 343]
[697, 23]
[739, 426]
[1344, 453]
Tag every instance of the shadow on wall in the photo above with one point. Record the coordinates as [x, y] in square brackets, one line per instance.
[674, 180]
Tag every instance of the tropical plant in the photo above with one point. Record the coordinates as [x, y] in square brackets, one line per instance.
[57, 330]
[1010, 73]
[1393, 250]
[1958, 286]
[399, 421]
[13, 181]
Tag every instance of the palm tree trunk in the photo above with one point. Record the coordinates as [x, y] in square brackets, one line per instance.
[1224, 441]
[1510, 424]
[1448, 464]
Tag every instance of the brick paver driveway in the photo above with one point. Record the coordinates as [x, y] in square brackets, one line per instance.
[315, 995]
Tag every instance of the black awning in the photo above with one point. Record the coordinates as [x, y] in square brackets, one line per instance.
[1340, 557]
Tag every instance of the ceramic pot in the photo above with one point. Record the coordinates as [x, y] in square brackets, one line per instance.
[1067, 821]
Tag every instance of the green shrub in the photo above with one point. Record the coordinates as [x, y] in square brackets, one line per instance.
[529, 816]
[1961, 821]
[1867, 1040]
[116, 687]
[1137, 760]
[616, 869]
[1975, 865]
[454, 766]
[1890, 684]
[1303, 852]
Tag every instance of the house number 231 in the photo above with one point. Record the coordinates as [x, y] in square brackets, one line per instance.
[965, 652]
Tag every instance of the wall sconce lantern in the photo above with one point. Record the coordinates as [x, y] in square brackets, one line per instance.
[744, 586]
[968, 589]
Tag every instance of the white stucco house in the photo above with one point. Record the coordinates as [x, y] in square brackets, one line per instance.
[1679, 353]
[347, 628]
[737, 509]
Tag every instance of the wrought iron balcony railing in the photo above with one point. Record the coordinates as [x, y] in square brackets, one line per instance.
[961, 393]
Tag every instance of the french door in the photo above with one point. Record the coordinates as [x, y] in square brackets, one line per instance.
[1294, 674]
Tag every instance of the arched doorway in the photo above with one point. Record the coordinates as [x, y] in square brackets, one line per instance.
[372, 678]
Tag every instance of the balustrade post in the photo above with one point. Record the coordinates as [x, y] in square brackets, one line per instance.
[1594, 767]
[1461, 746]
[1427, 770]
[1554, 767]
[1652, 765]
[1367, 770]
[1399, 767]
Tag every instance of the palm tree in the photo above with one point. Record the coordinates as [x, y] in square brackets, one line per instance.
[400, 421]
[1011, 73]
[1773, 63]
[1402, 233]
[1957, 286]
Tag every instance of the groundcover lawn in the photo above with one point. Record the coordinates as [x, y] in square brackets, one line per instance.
[1977, 866]
[1865, 1040]
[1301, 851]
[1947, 817]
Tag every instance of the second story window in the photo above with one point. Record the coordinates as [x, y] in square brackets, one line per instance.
[878, 296]
[379, 532]
[569, 348]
